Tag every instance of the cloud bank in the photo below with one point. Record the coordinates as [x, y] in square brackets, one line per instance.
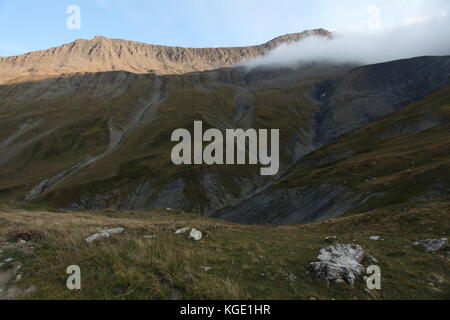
[418, 36]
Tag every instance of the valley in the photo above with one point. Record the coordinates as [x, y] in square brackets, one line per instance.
[212, 151]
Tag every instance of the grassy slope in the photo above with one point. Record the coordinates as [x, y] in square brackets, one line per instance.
[145, 154]
[249, 262]
[396, 167]
[81, 126]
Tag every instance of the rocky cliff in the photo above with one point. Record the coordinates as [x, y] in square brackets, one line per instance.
[102, 54]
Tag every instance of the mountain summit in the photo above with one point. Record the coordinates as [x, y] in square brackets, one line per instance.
[102, 54]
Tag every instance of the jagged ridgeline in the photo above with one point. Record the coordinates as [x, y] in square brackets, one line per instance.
[352, 138]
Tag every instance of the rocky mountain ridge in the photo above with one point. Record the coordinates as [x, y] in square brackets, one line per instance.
[102, 55]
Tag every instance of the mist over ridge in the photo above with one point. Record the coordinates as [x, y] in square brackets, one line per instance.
[413, 38]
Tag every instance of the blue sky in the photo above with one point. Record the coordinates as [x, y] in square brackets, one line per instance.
[27, 25]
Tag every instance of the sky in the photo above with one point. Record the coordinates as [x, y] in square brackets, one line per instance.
[27, 25]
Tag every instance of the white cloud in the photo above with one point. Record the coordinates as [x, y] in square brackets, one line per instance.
[416, 36]
[415, 20]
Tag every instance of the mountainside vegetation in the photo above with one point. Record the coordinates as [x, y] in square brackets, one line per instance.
[150, 261]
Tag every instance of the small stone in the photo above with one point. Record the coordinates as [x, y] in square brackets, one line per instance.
[114, 231]
[312, 299]
[292, 277]
[196, 235]
[371, 259]
[182, 230]
[206, 268]
[8, 260]
[331, 239]
[150, 237]
[18, 277]
[97, 237]
[105, 233]
[375, 238]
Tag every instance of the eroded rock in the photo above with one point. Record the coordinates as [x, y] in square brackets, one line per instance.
[106, 233]
[432, 245]
[338, 264]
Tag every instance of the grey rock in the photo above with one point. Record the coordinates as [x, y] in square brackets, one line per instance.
[182, 230]
[97, 236]
[331, 239]
[432, 245]
[106, 233]
[338, 264]
[114, 230]
[375, 238]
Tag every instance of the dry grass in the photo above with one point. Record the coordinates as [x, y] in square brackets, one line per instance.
[247, 262]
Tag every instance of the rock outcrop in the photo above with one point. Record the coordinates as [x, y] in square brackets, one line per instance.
[432, 245]
[338, 264]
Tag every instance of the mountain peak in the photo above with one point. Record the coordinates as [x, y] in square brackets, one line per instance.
[102, 54]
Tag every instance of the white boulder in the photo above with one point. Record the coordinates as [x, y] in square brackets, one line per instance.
[338, 264]
[196, 235]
